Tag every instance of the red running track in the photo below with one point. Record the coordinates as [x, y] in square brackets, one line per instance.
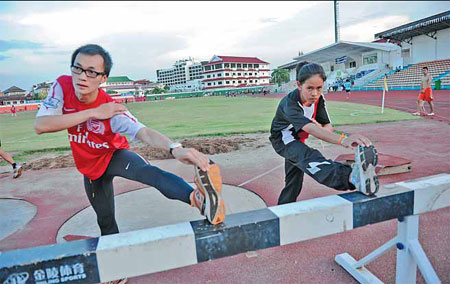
[400, 100]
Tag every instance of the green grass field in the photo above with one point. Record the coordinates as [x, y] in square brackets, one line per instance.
[210, 116]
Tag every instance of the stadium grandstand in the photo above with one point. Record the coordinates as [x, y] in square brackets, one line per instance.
[399, 54]
[408, 78]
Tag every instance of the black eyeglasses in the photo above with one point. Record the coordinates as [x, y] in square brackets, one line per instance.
[90, 73]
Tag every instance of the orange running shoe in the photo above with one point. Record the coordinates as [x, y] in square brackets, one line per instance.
[198, 198]
[209, 186]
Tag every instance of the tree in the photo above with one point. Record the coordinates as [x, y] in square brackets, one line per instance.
[280, 76]
[157, 91]
[41, 95]
[166, 88]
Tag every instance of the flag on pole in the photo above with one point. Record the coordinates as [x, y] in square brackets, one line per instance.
[385, 89]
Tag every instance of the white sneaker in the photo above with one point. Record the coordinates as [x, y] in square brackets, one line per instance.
[431, 114]
[363, 175]
[17, 171]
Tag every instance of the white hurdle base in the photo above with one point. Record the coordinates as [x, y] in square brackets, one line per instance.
[409, 255]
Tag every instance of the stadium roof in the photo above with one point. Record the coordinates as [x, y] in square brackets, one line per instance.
[339, 49]
[235, 59]
[13, 89]
[117, 79]
[427, 26]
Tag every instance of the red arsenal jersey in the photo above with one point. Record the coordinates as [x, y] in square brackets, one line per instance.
[93, 142]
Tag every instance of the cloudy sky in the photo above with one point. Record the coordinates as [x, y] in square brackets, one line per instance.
[37, 38]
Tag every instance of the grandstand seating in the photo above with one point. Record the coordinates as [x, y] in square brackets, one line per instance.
[445, 80]
[284, 88]
[363, 73]
[409, 76]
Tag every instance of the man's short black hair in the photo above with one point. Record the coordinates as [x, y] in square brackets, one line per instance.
[94, 49]
[425, 67]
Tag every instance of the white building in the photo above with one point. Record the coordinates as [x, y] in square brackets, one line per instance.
[181, 72]
[351, 59]
[119, 85]
[233, 71]
[14, 91]
[424, 40]
[122, 85]
[191, 85]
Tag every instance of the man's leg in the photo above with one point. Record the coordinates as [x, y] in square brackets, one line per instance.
[206, 197]
[420, 107]
[324, 171]
[430, 102]
[17, 168]
[6, 156]
[293, 183]
[129, 165]
[100, 193]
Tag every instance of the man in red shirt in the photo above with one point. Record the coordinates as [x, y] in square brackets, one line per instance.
[94, 123]
[13, 110]
[425, 93]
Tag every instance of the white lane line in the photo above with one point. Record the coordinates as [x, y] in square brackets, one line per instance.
[263, 174]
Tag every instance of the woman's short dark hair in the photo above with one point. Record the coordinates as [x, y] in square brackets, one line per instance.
[306, 70]
[94, 49]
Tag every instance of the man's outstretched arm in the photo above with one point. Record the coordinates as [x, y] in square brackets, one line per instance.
[54, 123]
[188, 156]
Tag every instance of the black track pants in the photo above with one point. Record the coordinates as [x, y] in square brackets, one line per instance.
[130, 165]
[300, 159]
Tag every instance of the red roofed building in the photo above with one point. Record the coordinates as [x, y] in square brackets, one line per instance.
[233, 71]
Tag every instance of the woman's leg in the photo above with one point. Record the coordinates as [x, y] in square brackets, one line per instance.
[324, 171]
[293, 183]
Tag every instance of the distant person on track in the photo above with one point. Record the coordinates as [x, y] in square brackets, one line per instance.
[347, 88]
[17, 169]
[425, 93]
[302, 113]
[13, 111]
[94, 123]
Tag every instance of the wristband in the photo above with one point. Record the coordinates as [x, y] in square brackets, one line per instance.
[173, 146]
[342, 137]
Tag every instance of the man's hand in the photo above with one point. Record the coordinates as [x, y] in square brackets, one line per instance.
[191, 156]
[108, 110]
[354, 140]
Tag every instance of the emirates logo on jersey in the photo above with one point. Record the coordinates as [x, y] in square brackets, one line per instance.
[95, 126]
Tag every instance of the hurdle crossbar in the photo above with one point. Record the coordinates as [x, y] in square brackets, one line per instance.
[157, 249]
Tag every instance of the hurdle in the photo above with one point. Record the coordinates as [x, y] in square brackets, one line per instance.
[163, 248]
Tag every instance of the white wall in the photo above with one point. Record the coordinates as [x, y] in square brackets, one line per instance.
[425, 48]
[395, 58]
[292, 75]
[443, 44]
